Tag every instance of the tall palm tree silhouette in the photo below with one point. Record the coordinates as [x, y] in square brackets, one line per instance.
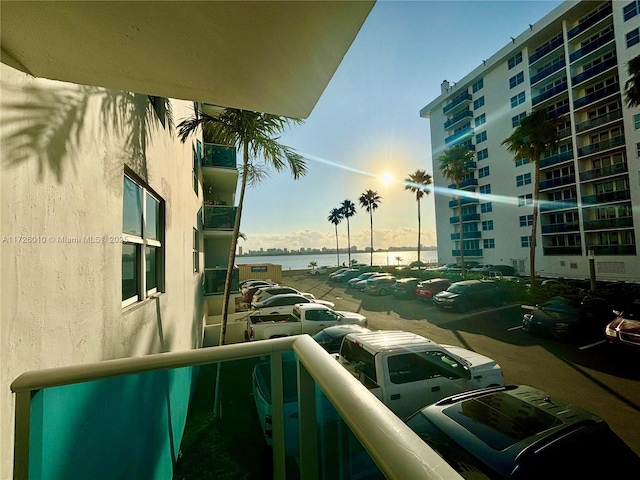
[417, 183]
[370, 201]
[335, 217]
[348, 210]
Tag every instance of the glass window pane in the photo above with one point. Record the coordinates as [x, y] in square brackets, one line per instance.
[129, 271]
[153, 216]
[152, 279]
[131, 209]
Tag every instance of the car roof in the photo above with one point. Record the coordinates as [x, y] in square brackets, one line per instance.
[336, 330]
[406, 280]
[389, 340]
[284, 295]
[474, 282]
[522, 420]
[435, 280]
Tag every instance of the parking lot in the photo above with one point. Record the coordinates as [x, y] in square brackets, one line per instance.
[593, 375]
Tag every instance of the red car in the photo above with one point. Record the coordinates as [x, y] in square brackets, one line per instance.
[426, 289]
[625, 329]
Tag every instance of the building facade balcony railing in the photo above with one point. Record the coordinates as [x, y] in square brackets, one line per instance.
[460, 100]
[457, 118]
[555, 159]
[469, 182]
[564, 204]
[601, 146]
[218, 217]
[463, 201]
[597, 95]
[595, 70]
[598, 121]
[219, 156]
[467, 235]
[557, 182]
[214, 279]
[471, 217]
[467, 253]
[548, 71]
[590, 21]
[566, 250]
[561, 227]
[612, 249]
[545, 50]
[608, 223]
[565, 132]
[607, 197]
[592, 47]
[615, 169]
[549, 93]
[459, 136]
[556, 112]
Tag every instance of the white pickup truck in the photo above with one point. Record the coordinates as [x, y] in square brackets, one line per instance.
[407, 371]
[305, 318]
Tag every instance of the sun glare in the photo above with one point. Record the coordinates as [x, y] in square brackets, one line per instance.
[386, 178]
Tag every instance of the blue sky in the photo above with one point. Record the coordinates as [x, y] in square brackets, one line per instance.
[367, 123]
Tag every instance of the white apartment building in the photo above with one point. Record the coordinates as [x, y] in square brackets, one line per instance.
[573, 64]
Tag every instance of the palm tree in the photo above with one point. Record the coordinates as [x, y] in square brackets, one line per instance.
[348, 210]
[398, 259]
[313, 265]
[335, 217]
[535, 134]
[632, 86]
[256, 135]
[454, 165]
[418, 182]
[370, 201]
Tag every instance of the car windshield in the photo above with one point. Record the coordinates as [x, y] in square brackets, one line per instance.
[632, 312]
[458, 288]
[562, 304]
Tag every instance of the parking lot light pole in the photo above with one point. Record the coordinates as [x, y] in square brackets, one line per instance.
[592, 271]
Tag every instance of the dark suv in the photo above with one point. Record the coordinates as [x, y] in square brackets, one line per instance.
[461, 296]
[519, 432]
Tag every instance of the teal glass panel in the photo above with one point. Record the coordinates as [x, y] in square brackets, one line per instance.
[219, 156]
[132, 208]
[129, 271]
[122, 427]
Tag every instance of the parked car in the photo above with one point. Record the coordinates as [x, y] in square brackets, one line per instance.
[265, 292]
[569, 316]
[361, 284]
[462, 296]
[625, 328]
[405, 287]
[519, 432]
[250, 288]
[337, 272]
[323, 270]
[346, 275]
[331, 337]
[426, 289]
[487, 267]
[380, 285]
[351, 283]
[284, 303]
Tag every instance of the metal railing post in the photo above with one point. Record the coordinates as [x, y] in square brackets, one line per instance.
[22, 428]
[277, 417]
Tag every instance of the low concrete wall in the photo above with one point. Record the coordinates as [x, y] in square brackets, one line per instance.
[236, 326]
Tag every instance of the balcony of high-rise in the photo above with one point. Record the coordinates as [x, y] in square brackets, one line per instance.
[604, 171]
[602, 146]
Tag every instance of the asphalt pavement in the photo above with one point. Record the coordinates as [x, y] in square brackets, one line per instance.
[596, 376]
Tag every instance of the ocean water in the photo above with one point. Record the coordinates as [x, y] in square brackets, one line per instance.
[298, 262]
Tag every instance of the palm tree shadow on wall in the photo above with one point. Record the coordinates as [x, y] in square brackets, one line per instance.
[47, 125]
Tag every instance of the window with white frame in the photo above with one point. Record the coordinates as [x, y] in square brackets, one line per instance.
[483, 172]
[630, 10]
[478, 85]
[515, 60]
[516, 80]
[481, 137]
[489, 243]
[638, 149]
[518, 99]
[526, 220]
[142, 229]
[196, 163]
[522, 161]
[633, 37]
[480, 120]
[636, 121]
[525, 199]
[525, 241]
[486, 207]
[524, 179]
[485, 189]
[515, 121]
[482, 154]
[487, 225]
[478, 103]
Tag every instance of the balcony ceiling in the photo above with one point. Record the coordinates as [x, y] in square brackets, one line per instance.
[274, 56]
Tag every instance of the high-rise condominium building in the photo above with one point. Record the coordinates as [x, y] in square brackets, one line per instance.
[573, 64]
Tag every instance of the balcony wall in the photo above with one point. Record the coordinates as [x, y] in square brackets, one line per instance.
[467, 253]
[472, 217]
[598, 121]
[615, 169]
[555, 159]
[597, 95]
[595, 70]
[467, 235]
[214, 280]
[457, 118]
[548, 206]
[561, 228]
[606, 197]
[459, 136]
[570, 250]
[612, 249]
[459, 101]
[219, 156]
[545, 50]
[601, 146]
[548, 71]
[218, 217]
[590, 21]
[592, 47]
[557, 182]
[464, 201]
[549, 93]
[609, 223]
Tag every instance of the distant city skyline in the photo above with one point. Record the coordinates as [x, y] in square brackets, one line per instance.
[308, 250]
